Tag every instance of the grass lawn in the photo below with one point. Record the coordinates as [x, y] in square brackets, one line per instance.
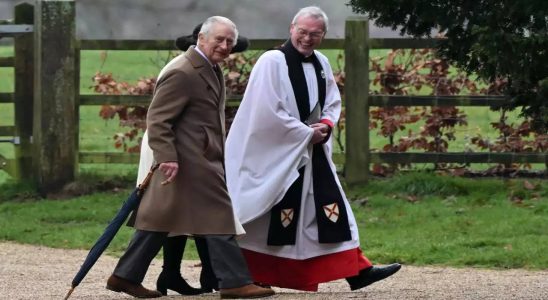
[434, 220]
[424, 219]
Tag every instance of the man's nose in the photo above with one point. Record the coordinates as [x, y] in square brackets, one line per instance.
[224, 44]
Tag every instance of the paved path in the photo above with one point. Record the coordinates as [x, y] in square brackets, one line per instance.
[31, 272]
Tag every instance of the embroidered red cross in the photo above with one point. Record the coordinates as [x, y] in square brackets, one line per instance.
[286, 215]
[331, 211]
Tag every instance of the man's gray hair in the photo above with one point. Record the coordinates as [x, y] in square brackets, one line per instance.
[312, 11]
[206, 26]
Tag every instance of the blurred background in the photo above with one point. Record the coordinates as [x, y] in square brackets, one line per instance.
[167, 19]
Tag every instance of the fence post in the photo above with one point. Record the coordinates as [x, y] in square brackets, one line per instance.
[76, 131]
[356, 52]
[23, 94]
[54, 109]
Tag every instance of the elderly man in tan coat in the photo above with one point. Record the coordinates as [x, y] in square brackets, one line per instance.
[188, 193]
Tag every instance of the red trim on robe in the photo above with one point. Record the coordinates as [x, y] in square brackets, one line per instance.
[304, 274]
[327, 122]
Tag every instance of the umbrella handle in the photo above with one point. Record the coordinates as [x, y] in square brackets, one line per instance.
[143, 186]
[69, 293]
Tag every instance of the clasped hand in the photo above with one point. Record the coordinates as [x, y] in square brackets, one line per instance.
[321, 130]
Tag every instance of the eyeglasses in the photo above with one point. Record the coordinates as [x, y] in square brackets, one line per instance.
[313, 35]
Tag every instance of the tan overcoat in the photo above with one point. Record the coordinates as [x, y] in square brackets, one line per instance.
[185, 123]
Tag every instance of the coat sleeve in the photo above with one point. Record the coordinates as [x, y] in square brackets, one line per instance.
[169, 101]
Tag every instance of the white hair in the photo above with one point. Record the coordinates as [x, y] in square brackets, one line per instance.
[312, 11]
[206, 26]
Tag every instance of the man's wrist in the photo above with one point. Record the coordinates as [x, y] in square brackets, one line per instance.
[327, 122]
[330, 129]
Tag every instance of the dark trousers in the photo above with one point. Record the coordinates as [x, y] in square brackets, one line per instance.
[226, 258]
[174, 249]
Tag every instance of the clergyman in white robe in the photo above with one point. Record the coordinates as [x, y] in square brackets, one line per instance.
[266, 146]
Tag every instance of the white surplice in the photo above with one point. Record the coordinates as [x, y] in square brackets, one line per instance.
[266, 146]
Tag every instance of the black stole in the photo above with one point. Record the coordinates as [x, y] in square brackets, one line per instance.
[327, 197]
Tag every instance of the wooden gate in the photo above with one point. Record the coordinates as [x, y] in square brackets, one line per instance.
[20, 133]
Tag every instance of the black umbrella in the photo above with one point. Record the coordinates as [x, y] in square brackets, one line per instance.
[104, 240]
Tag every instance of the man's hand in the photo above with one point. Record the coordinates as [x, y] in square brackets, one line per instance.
[323, 127]
[170, 170]
[320, 132]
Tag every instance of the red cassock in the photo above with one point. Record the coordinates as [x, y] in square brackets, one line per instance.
[305, 274]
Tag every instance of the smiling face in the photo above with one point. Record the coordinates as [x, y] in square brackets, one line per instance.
[218, 42]
[306, 34]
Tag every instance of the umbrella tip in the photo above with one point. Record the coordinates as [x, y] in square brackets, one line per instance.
[69, 293]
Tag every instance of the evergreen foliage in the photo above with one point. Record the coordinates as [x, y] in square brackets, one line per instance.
[498, 40]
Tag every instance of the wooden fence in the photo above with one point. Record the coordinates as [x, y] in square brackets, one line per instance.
[23, 63]
[358, 101]
[47, 150]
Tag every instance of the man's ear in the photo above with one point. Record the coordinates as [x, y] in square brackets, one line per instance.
[200, 40]
[291, 28]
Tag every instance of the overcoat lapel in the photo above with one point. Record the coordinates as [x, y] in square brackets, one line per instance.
[221, 79]
[214, 80]
[205, 71]
[222, 98]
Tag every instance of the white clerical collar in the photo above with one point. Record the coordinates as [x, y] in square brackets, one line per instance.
[202, 54]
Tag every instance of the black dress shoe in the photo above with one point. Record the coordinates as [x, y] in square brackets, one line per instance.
[208, 282]
[371, 275]
[173, 281]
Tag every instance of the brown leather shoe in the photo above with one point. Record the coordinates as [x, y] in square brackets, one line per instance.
[246, 291]
[117, 284]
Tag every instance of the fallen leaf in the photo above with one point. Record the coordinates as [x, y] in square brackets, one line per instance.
[529, 185]
[362, 201]
[412, 198]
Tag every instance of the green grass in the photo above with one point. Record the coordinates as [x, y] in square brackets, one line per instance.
[6, 74]
[426, 219]
[128, 66]
[423, 219]
[71, 223]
